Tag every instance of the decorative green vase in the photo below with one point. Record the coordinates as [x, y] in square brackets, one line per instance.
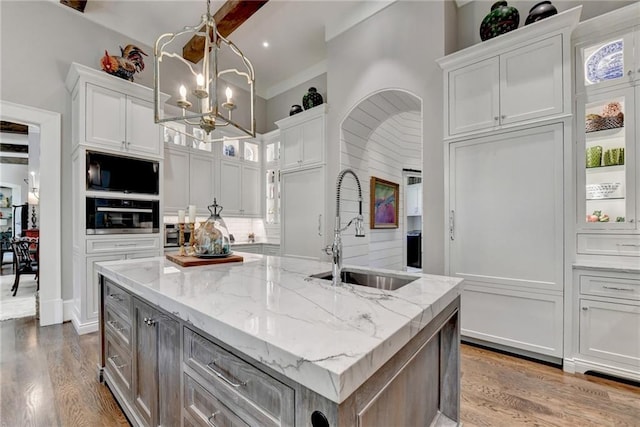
[500, 20]
[311, 99]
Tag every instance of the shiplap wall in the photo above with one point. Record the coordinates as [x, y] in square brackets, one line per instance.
[380, 137]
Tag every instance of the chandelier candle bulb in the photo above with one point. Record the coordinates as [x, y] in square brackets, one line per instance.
[229, 94]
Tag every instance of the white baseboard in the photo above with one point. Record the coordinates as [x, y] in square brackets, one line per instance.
[50, 311]
[83, 328]
[67, 310]
[569, 366]
[583, 366]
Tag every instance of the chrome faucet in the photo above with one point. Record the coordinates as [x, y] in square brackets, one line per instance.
[335, 249]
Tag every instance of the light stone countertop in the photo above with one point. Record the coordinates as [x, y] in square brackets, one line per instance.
[329, 339]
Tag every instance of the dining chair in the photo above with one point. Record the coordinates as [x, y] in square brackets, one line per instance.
[25, 255]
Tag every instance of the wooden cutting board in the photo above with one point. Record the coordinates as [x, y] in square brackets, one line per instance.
[191, 261]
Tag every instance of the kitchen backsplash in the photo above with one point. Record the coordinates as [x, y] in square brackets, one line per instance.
[240, 228]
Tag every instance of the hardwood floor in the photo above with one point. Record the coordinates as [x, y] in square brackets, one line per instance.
[48, 377]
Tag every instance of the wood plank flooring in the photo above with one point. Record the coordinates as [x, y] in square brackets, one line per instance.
[48, 377]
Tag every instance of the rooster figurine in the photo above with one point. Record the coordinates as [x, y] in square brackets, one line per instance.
[124, 66]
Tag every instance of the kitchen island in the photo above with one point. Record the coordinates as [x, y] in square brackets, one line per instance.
[261, 343]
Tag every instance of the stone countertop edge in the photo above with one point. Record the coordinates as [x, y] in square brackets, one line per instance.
[332, 373]
[622, 267]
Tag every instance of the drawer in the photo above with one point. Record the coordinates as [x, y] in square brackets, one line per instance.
[118, 327]
[267, 398]
[96, 246]
[612, 287]
[271, 249]
[253, 248]
[609, 244]
[118, 364]
[118, 299]
[204, 409]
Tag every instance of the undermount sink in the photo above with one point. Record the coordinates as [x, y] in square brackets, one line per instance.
[389, 282]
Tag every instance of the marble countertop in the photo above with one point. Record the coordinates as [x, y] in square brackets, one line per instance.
[329, 339]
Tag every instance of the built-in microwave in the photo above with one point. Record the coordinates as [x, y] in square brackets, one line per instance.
[118, 216]
[108, 172]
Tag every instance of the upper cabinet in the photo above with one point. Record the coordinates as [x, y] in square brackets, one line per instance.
[113, 114]
[302, 138]
[607, 50]
[513, 79]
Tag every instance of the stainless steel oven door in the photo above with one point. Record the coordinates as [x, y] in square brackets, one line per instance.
[114, 216]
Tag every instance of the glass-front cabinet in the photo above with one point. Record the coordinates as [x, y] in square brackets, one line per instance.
[272, 179]
[607, 160]
[241, 149]
[609, 61]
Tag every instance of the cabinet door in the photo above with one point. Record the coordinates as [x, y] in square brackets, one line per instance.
[291, 140]
[176, 181]
[531, 81]
[313, 141]
[474, 97]
[507, 203]
[230, 187]
[145, 375]
[251, 191]
[606, 162]
[610, 331]
[201, 182]
[169, 371]
[414, 200]
[91, 306]
[607, 62]
[303, 213]
[105, 117]
[143, 135]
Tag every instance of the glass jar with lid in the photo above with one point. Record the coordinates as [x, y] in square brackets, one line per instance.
[212, 237]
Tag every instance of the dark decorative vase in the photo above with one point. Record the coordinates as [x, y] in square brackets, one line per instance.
[295, 109]
[311, 98]
[500, 20]
[542, 10]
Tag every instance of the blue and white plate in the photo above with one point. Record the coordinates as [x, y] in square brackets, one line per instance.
[605, 63]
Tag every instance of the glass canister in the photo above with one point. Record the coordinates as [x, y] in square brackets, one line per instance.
[212, 237]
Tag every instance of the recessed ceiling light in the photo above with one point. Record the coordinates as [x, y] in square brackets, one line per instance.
[265, 44]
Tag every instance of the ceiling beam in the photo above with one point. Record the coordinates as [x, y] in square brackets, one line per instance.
[78, 5]
[229, 17]
[10, 127]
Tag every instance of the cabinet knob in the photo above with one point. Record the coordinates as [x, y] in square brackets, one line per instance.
[503, 117]
[496, 118]
[585, 308]
[629, 73]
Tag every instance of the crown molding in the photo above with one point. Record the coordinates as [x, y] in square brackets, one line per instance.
[291, 82]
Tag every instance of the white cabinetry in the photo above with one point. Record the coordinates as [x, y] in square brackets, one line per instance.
[189, 179]
[240, 189]
[506, 236]
[302, 138]
[414, 200]
[517, 79]
[112, 114]
[507, 122]
[607, 315]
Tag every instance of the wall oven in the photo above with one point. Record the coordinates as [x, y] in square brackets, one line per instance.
[118, 216]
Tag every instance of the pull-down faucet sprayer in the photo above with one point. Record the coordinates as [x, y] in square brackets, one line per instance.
[335, 250]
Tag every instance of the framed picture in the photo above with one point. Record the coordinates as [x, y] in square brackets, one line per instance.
[384, 203]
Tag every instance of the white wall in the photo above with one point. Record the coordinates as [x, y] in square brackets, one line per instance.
[278, 106]
[470, 16]
[395, 48]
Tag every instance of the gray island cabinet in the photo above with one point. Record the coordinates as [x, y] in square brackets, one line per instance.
[260, 343]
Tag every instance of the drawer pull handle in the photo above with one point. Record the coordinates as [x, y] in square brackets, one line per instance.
[125, 245]
[632, 245]
[212, 417]
[114, 324]
[116, 297]
[219, 374]
[615, 288]
[113, 360]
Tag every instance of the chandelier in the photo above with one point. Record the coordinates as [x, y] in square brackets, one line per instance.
[199, 84]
